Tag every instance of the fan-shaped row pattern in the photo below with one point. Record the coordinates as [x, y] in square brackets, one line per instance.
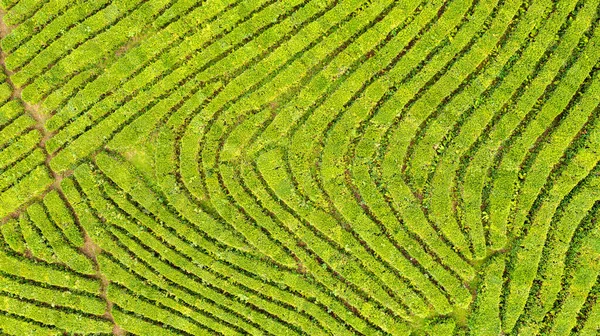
[300, 167]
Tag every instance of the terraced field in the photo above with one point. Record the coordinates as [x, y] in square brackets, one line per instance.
[300, 167]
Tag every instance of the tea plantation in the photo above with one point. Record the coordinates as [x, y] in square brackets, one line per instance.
[300, 167]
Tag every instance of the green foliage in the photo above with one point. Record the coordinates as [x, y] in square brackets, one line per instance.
[300, 167]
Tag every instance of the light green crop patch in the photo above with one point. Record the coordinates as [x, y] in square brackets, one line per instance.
[299, 167]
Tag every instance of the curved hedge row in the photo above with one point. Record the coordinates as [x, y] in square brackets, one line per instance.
[310, 167]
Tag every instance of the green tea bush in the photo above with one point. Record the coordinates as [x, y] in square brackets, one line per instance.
[299, 167]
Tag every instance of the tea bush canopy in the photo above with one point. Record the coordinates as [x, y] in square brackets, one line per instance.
[300, 167]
